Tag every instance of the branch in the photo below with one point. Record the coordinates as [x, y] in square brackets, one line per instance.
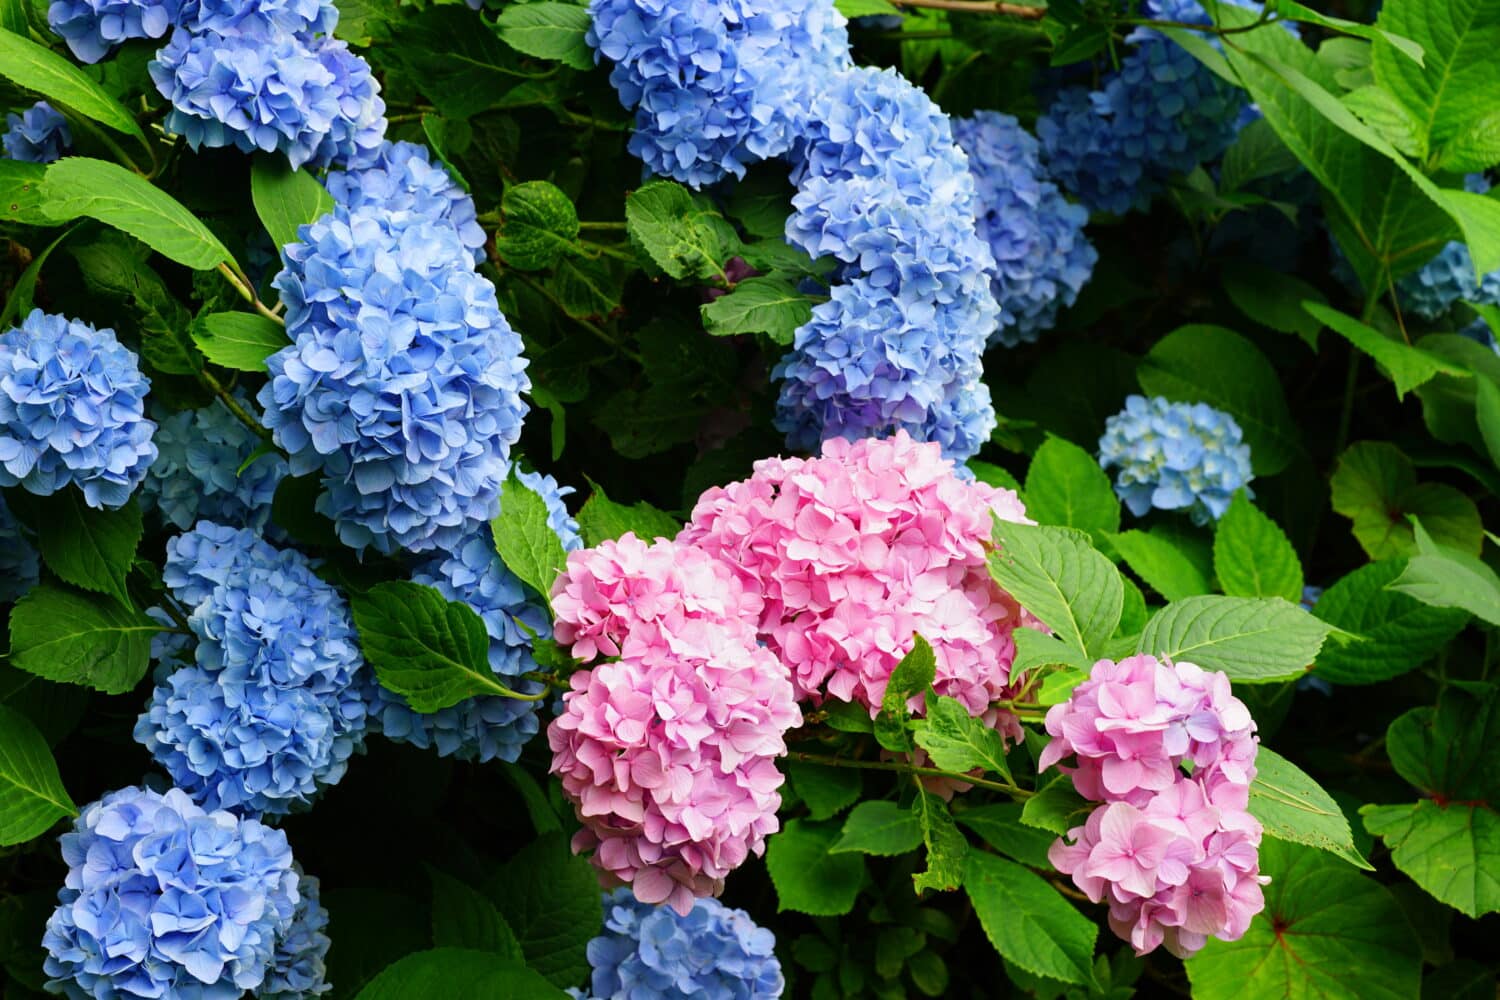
[1022, 11]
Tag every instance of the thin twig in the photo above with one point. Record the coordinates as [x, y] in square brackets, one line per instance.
[242, 285]
[905, 768]
[232, 404]
[979, 7]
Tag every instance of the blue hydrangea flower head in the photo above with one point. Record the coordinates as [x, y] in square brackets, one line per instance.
[1175, 456]
[37, 135]
[263, 20]
[715, 84]
[1042, 258]
[299, 967]
[1163, 113]
[163, 899]
[308, 97]
[197, 474]
[273, 706]
[18, 563]
[93, 28]
[486, 728]
[402, 386]
[72, 411]
[650, 951]
[401, 177]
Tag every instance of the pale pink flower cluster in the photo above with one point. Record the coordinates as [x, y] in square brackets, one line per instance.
[856, 551]
[667, 752]
[1175, 856]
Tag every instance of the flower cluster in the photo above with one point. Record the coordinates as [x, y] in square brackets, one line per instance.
[1175, 456]
[854, 552]
[400, 177]
[1175, 856]
[1042, 258]
[882, 188]
[163, 899]
[37, 135]
[711, 951]
[72, 410]
[668, 751]
[273, 705]
[1162, 113]
[403, 383]
[1449, 278]
[715, 85]
[18, 562]
[486, 728]
[197, 473]
[269, 75]
[299, 966]
[93, 28]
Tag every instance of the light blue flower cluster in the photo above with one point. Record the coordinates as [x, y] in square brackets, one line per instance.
[401, 178]
[18, 564]
[1163, 113]
[163, 899]
[93, 28]
[882, 188]
[713, 952]
[1175, 456]
[197, 472]
[37, 135]
[299, 967]
[273, 706]
[403, 383]
[1042, 258]
[1449, 278]
[483, 729]
[72, 410]
[715, 84]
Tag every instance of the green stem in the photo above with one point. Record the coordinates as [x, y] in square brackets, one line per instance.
[617, 227]
[232, 404]
[979, 7]
[114, 147]
[608, 251]
[905, 768]
[242, 285]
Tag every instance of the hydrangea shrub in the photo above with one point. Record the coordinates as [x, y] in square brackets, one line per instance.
[746, 500]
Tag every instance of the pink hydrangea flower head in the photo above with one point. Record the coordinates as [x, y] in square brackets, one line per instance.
[859, 549]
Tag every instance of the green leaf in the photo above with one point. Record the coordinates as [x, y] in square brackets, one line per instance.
[601, 519]
[1059, 577]
[1445, 577]
[1390, 632]
[1289, 10]
[1327, 931]
[1028, 921]
[77, 186]
[1376, 487]
[1449, 402]
[956, 741]
[1407, 366]
[883, 829]
[90, 548]
[1487, 411]
[34, 67]
[946, 845]
[1252, 556]
[807, 876]
[864, 8]
[1209, 364]
[993, 475]
[32, 796]
[681, 232]
[457, 972]
[548, 30]
[541, 224]
[525, 541]
[286, 199]
[22, 194]
[463, 917]
[1160, 564]
[83, 639]
[1251, 639]
[1273, 299]
[457, 61]
[1257, 153]
[1035, 648]
[999, 824]
[826, 791]
[241, 341]
[911, 677]
[768, 305]
[1065, 486]
[432, 651]
[1056, 806]
[1385, 114]
[1293, 807]
[114, 267]
[1443, 95]
[550, 898]
[21, 296]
